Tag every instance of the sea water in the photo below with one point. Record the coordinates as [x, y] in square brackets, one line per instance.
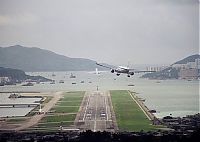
[167, 97]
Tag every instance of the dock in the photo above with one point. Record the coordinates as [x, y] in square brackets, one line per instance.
[19, 105]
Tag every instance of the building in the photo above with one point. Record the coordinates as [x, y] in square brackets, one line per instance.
[188, 73]
[156, 68]
[4, 79]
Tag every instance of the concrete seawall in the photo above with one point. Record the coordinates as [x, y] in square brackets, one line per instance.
[142, 106]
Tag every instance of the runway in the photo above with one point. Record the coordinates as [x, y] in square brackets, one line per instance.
[96, 113]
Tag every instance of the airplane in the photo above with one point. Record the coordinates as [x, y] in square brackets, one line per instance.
[122, 69]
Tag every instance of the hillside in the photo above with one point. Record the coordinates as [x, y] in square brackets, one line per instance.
[36, 59]
[16, 75]
[188, 59]
[168, 73]
[171, 72]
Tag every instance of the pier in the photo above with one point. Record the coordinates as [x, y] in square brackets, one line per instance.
[19, 105]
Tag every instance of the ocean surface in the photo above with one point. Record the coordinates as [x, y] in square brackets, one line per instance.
[167, 97]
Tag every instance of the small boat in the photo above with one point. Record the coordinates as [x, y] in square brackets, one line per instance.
[131, 85]
[52, 82]
[82, 81]
[14, 95]
[61, 81]
[53, 74]
[152, 111]
[28, 84]
[73, 82]
[141, 99]
[72, 76]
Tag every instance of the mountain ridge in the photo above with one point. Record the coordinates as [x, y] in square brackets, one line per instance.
[36, 59]
[190, 58]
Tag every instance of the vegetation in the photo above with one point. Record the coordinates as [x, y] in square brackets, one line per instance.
[128, 114]
[59, 118]
[69, 105]
[19, 57]
[16, 75]
[16, 120]
[71, 109]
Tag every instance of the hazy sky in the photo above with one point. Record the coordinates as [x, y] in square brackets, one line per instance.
[111, 31]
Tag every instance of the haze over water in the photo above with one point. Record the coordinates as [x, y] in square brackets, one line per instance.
[176, 97]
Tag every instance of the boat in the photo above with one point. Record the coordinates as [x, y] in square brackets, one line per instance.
[53, 74]
[52, 82]
[14, 95]
[72, 76]
[152, 111]
[82, 81]
[28, 84]
[61, 81]
[73, 82]
[131, 85]
[141, 99]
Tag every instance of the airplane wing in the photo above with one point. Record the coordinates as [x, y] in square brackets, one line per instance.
[140, 71]
[104, 66]
[143, 71]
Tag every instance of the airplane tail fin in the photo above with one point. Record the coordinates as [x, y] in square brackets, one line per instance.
[97, 71]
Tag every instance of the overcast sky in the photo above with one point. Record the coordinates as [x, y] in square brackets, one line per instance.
[111, 31]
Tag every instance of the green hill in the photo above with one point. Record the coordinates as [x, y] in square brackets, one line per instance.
[16, 75]
[36, 59]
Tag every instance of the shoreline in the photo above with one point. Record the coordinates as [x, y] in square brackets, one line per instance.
[144, 108]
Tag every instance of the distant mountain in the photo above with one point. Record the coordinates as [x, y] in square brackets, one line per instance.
[36, 59]
[188, 59]
[171, 72]
[16, 75]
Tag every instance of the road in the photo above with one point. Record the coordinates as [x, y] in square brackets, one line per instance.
[36, 118]
[96, 113]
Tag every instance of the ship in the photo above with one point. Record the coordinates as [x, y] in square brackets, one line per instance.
[28, 84]
[72, 76]
[14, 95]
[61, 81]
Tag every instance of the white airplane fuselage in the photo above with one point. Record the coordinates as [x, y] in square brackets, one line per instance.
[124, 70]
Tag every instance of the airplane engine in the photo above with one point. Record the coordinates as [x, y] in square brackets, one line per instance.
[132, 73]
[112, 71]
